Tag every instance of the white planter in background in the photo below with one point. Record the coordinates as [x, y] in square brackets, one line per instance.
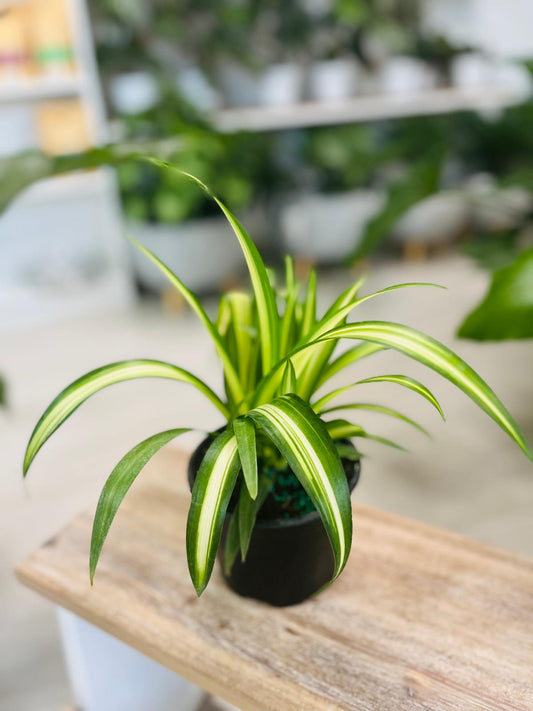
[133, 93]
[281, 85]
[17, 129]
[108, 675]
[472, 70]
[195, 88]
[406, 75]
[438, 219]
[327, 228]
[204, 253]
[239, 84]
[332, 80]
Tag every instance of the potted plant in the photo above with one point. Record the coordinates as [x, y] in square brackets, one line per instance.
[274, 482]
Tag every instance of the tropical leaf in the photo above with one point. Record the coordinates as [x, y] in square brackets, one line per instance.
[406, 382]
[345, 451]
[309, 312]
[302, 439]
[264, 294]
[288, 321]
[506, 312]
[245, 433]
[381, 409]
[326, 324]
[211, 494]
[80, 390]
[435, 355]
[288, 382]
[342, 429]
[231, 374]
[117, 486]
[352, 355]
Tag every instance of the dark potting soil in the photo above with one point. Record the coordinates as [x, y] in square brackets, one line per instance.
[288, 498]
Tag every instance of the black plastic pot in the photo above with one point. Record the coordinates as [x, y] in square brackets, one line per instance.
[288, 559]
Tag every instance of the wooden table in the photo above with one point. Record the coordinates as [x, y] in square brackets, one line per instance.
[420, 618]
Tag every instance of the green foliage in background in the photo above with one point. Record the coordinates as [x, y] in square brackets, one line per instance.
[507, 310]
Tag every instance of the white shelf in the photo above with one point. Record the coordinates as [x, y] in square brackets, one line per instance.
[366, 108]
[42, 89]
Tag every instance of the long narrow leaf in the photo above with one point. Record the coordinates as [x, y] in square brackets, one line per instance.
[406, 382]
[352, 355]
[264, 295]
[326, 324]
[211, 493]
[435, 355]
[309, 313]
[117, 486]
[245, 433]
[288, 382]
[230, 372]
[302, 438]
[342, 429]
[381, 409]
[76, 394]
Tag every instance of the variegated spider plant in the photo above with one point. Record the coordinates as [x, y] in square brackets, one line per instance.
[275, 354]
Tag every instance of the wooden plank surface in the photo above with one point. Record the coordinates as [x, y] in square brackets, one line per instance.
[420, 618]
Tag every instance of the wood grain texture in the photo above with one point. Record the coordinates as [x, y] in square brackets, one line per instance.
[419, 619]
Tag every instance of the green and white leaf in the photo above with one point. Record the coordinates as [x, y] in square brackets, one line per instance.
[245, 433]
[435, 355]
[231, 374]
[342, 429]
[211, 494]
[264, 294]
[352, 355]
[381, 409]
[302, 439]
[117, 486]
[406, 382]
[80, 390]
[288, 382]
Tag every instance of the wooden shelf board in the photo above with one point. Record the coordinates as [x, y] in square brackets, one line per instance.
[365, 108]
[420, 618]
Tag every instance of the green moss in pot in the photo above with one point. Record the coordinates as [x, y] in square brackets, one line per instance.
[275, 354]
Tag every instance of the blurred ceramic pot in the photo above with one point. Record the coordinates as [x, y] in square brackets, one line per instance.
[501, 210]
[203, 253]
[196, 89]
[239, 85]
[133, 93]
[441, 218]
[406, 75]
[472, 70]
[332, 80]
[281, 84]
[327, 228]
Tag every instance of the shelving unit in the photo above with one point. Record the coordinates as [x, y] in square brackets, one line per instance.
[76, 215]
[366, 108]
